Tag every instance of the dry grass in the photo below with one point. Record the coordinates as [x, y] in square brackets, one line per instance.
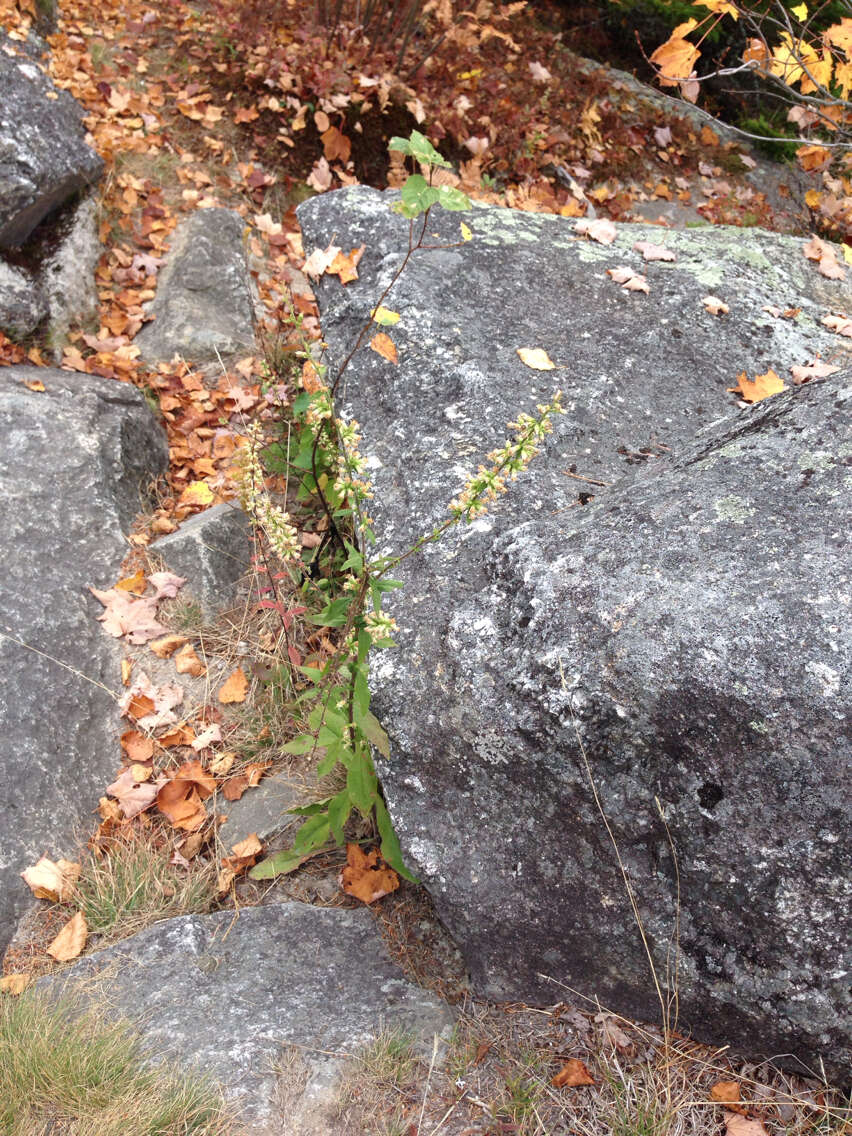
[496, 1077]
[67, 1070]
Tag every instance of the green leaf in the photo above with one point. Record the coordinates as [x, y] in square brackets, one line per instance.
[354, 560]
[418, 195]
[334, 614]
[390, 849]
[304, 743]
[312, 809]
[419, 147]
[313, 673]
[338, 813]
[278, 865]
[371, 728]
[452, 199]
[328, 763]
[361, 783]
[361, 694]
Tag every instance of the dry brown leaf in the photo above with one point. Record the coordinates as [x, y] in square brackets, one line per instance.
[601, 230]
[222, 764]
[815, 370]
[135, 583]
[126, 669]
[366, 876]
[383, 345]
[535, 357]
[762, 387]
[629, 279]
[346, 266]
[166, 646]
[572, 1074]
[52, 880]
[187, 662]
[137, 619]
[839, 324]
[137, 746]
[715, 306]
[251, 846]
[234, 787]
[235, 687]
[728, 1094]
[192, 845]
[207, 737]
[71, 939]
[179, 736]
[15, 983]
[826, 257]
[180, 803]
[133, 798]
[654, 252]
[736, 1125]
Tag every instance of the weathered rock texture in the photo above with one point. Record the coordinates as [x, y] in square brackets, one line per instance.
[74, 466]
[67, 272]
[44, 158]
[204, 303]
[687, 625]
[213, 551]
[23, 304]
[228, 992]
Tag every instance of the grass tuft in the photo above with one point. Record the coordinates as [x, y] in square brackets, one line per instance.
[65, 1068]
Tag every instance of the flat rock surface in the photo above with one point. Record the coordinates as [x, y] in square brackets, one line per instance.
[44, 158]
[204, 304]
[229, 991]
[693, 603]
[74, 466]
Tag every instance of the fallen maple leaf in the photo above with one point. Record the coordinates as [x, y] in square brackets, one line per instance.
[137, 746]
[336, 145]
[366, 876]
[180, 798]
[133, 798]
[346, 267]
[539, 73]
[235, 687]
[715, 306]
[71, 939]
[572, 1073]
[166, 646]
[222, 764]
[53, 881]
[535, 357]
[826, 257]
[320, 177]
[383, 345]
[15, 983]
[629, 279]
[235, 786]
[197, 493]
[653, 252]
[728, 1094]
[135, 583]
[187, 662]
[602, 230]
[150, 705]
[762, 387]
[736, 1125]
[35, 385]
[319, 261]
[815, 370]
[137, 619]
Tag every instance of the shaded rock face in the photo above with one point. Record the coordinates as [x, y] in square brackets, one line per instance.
[252, 982]
[682, 625]
[44, 158]
[23, 304]
[204, 303]
[74, 466]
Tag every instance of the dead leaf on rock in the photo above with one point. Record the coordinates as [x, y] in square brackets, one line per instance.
[383, 345]
[601, 230]
[180, 736]
[319, 260]
[366, 876]
[234, 787]
[629, 279]
[166, 584]
[815, 370]
[536, 358]
[166, 646]
[71, 939]
[135, 583]
[715, 306]
[572, 1074]
[151, 706]
[51, 880]
[762, 387]
[839, 324]
[654, 252]
[135, 618]
[15, 983]
[825, 256]
[137, 746]
[187, 662]
[222, 764]
[133, 797]
[235, 687]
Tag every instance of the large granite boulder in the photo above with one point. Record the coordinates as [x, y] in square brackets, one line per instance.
[44, 158]
[204, 307]
[229, 992]
[681, 624]
[75, 464]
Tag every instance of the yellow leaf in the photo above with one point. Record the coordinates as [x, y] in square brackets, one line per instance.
[135, 583]
[812, 198]
[847, 253]
[70, 940]
[235, 687]
[536, 357]
[385, 316]
[813, 157]
[720, 7]
[34, 385]
[197, 493]
[840, 34]
[15, 983]
[383, 345]
[762, 387]
[466, 232]
[800, 12]
[676, 60]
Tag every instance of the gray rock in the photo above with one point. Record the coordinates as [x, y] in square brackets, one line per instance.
[74, 465]
[204, 302]
[261, 810]
[44, 158]
[693, 606]
[251, 983]
[67, 273]
[23, 304]
[213, 551]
